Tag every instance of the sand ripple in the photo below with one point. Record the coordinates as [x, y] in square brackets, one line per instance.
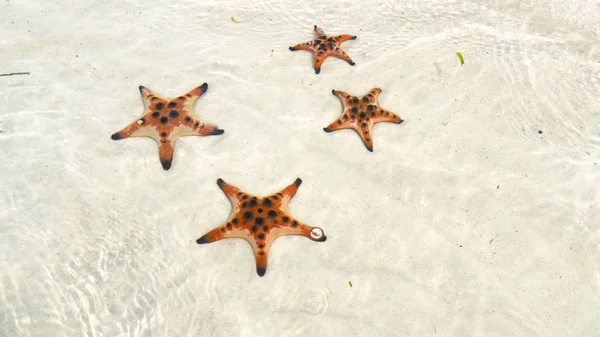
[477, 216]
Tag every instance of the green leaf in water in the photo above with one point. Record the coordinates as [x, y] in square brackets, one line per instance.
[460, 57]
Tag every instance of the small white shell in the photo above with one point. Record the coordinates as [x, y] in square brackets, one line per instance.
[140, 122]
[316, 233]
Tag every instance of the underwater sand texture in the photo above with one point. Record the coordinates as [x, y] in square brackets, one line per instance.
[465, 221]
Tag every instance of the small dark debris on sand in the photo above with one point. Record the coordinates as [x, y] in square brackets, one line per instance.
[14, 74]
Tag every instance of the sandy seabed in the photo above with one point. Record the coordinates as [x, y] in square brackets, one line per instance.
[478, 216]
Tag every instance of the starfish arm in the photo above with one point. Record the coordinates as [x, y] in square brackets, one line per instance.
[342, 55]
[344, 38]
[313, 233]
[339, 125]
[197, 91]
[165, 153]
[234, 194]
[139, 128]
[383, 115]
[304, 46]
[320, 33]
[212, 236]
[344, 97]
[230, 191]
[367, 139]
[225, 231]
[318, 62]
[194, 127]
[373, 95]
[130, 129]
[147, 95]
[261, 261]
[289, 192]
[296, 228]
[207, 129]
[190, 98]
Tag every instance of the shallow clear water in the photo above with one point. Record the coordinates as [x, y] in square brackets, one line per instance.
[464, 221]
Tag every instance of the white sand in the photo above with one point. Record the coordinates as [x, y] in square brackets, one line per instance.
[464, 221]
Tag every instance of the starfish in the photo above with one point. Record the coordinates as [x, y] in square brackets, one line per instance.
[361, 114]
[167, 120]
[260, 220]
[324, 46]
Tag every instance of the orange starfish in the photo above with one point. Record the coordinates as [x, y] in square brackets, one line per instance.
[165, 121]
[324, 46]
[361, 114]
[261, 220]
